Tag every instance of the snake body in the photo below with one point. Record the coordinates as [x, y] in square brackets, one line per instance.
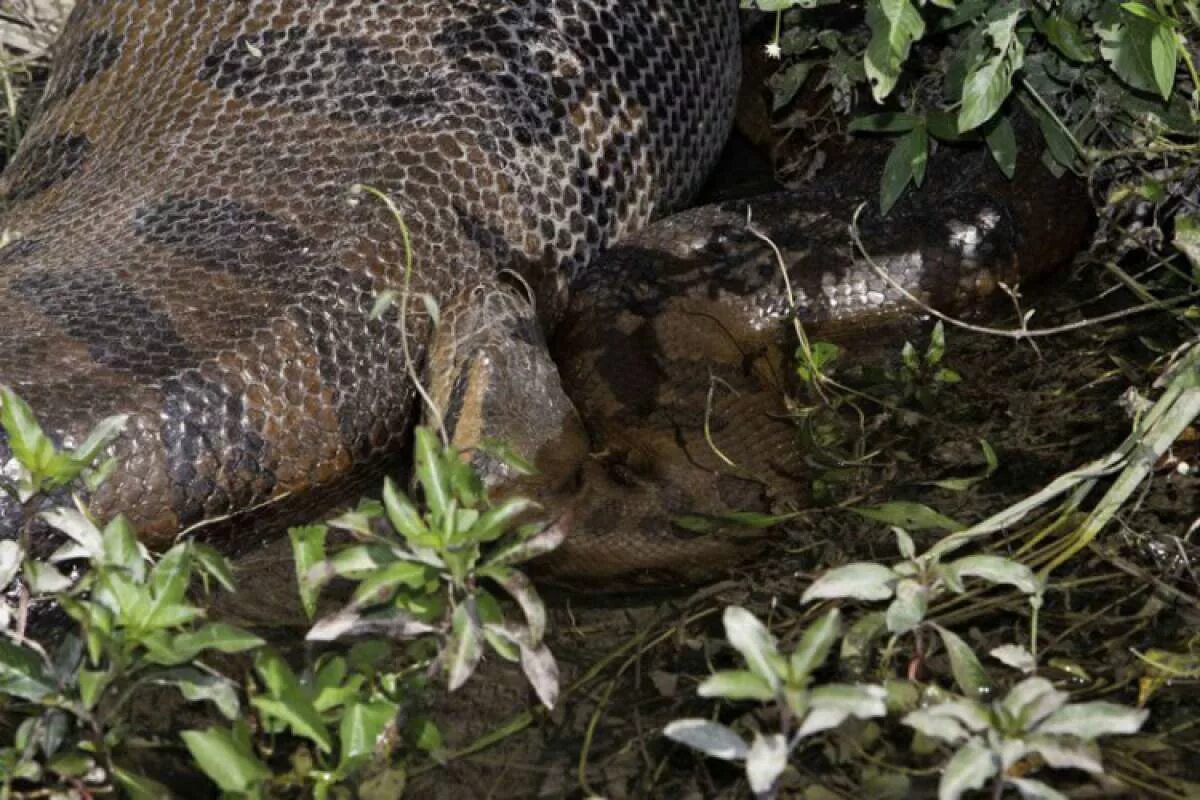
[187, 251]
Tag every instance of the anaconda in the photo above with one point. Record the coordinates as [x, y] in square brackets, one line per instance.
[188, 252]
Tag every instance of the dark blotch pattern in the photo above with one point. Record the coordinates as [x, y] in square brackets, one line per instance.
[84, 61]
[226, 236]
[120, 328]
[44, 163]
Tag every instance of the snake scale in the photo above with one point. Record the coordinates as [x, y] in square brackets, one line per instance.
[186, 250]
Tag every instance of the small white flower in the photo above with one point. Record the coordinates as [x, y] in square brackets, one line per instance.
[773, 50]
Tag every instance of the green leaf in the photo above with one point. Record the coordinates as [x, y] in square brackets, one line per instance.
[139, 787]
[814, 646]
[895, 25]
[967, 770]
[381, 585]
[989, 80]
[218, 636]
[496, 522]
[736, 684]
[1002, 143]
[1066, 37]
[999, 570]
[860, 580]
[521, 589]
[308, 550]
[22, 673]
[750, 637]
[907, 610]
[905, 163]
[361, 727]
[226, 758]
[910, 516]
[29, 444]
[885, 122]
[298, 713]
[100, 437]
[431, 471]
[968, 672]
[710, 738]
[168, 584]
[403, 514]
[1143, 52]
[1093, 720]
[465, 646]
[214, 565]
[198, 686]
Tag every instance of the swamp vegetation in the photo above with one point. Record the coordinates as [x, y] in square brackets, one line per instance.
[992, 593]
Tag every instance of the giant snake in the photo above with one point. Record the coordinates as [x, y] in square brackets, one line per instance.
[187, 249]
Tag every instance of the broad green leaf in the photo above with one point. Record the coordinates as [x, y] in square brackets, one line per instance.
[139, 787]
[381, 584]
[308, 550]
[521, 589]
[936, 726]
[885, 122]
[834, 703]
[735, 684]
[198, 686]
[464, 647]
[989, 80]
[541, 670]
[100, 437]
[226, 759]
[75, 524]
[968, 769]
[751, 638]
[710, 738]
[541, 543]
[496, 522]
[214, 565]
[1066, 37]
[907, 610]
[29, 444]
[1002, 143]
[910, 516]
[786, 82]
[22, 673]
[814, 646]
[968, 672]
[402, 513]
[1092, 720]
[297, 712]
[122, 549]
[999, 570]
[861, 581]
[1143, 52]
[431, 471]
[765, 762]
[1015, 656]
[219, 636]
[361, 727]
[905, 164]
[895, 25]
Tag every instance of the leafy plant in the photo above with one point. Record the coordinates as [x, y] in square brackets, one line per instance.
[1093, 73]
[1004, 740]
[915, 583]
[427, 572]
[805, 707]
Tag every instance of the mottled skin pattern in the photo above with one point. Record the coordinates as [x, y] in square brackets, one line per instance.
[188, 253]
